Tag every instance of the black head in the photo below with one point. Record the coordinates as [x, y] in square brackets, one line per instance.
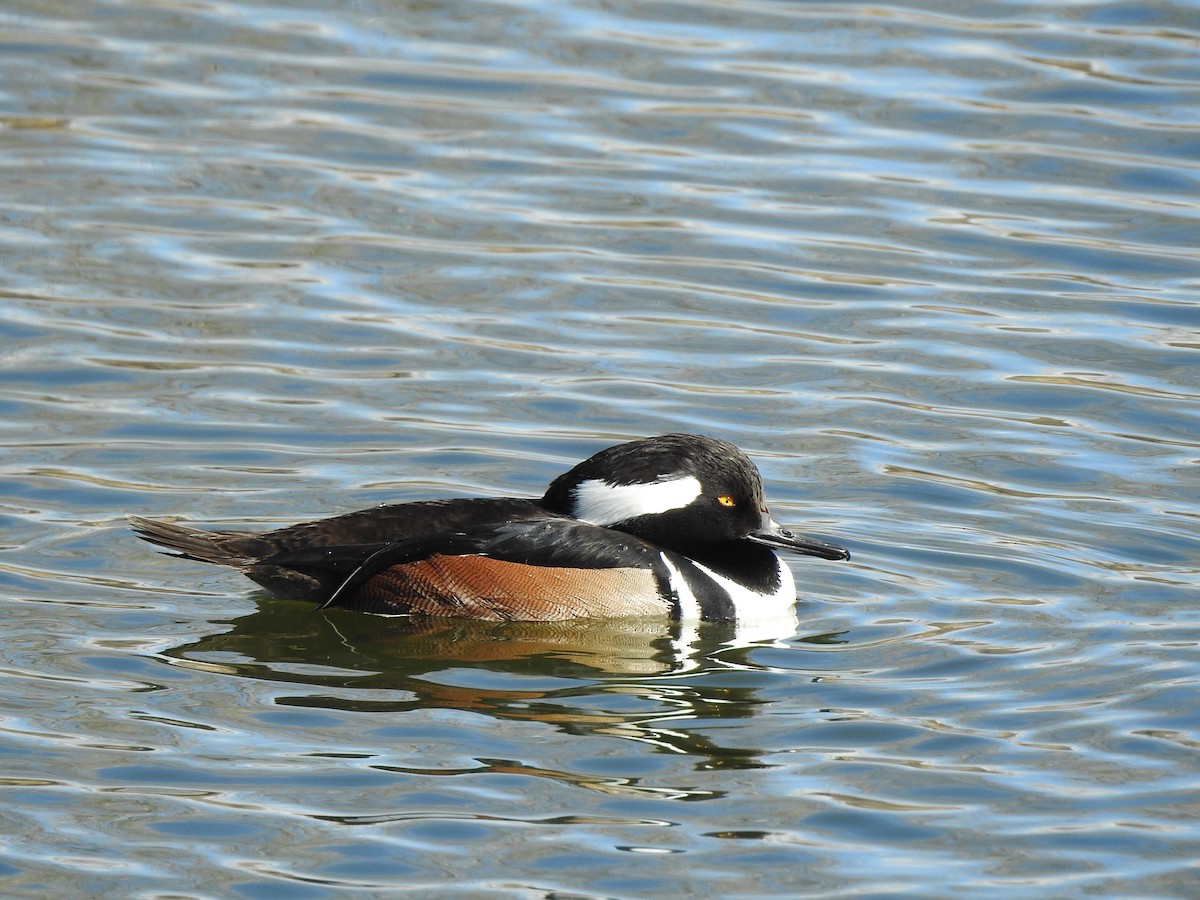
[676, 491]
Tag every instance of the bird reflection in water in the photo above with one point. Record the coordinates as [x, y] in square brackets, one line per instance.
[666, 678]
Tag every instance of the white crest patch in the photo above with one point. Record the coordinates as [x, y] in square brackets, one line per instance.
[601, 503]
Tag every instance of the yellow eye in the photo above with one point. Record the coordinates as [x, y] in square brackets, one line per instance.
[726, 500]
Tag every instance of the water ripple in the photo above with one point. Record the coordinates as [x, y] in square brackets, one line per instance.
[931, 266]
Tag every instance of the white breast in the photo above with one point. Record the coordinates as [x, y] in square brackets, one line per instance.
[749, 608]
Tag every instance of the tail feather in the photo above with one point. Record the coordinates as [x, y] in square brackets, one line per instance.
[214, 547]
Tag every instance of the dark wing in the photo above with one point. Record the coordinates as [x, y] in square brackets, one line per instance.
[310, 561]
[302, 573]
[539, 570]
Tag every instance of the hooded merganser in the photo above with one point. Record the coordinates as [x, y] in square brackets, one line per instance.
[673, 525]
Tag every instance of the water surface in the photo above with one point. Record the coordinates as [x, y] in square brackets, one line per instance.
[933, 266]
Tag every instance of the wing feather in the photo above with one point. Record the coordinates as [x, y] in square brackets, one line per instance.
[559, 569]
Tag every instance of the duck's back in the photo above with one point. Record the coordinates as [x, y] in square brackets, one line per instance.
[310, 560]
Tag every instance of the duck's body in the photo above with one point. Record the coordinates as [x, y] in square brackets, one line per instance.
[673, 525]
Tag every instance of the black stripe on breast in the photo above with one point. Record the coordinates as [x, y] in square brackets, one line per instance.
[714, 601]
[747, 564]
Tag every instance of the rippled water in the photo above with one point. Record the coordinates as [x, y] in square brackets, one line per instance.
[934, 266]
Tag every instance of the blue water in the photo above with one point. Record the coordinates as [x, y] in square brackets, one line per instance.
[933, 266]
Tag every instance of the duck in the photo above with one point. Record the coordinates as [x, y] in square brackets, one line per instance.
[674, 525]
